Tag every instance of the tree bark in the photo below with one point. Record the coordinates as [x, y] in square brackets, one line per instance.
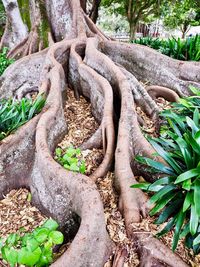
[107, 73]
[184, 30]
[94, 13]
[84, 5]
[16, 31]
[133, 29]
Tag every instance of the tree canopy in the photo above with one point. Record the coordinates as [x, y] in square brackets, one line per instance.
[181, 15]
[135, 11]
[176, 14]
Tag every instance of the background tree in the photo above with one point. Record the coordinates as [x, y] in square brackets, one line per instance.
[91, 8]
[94, 11]
[135, 11]
[112, 22]
[181, 15]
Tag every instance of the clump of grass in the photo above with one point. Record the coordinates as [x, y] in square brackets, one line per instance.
[14, 114]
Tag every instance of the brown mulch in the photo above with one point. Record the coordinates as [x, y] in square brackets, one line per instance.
[184, 253]
[117, 232]
[16, 212]
[114, 221]
[81, 126]
[80, 121]
[149, 126]
[93, 159]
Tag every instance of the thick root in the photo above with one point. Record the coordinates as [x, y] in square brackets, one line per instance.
[111, 83]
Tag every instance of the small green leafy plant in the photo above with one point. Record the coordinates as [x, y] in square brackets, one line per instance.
[14, 114]
[32, 249]
[4, 60]
[177, 193]
[71, 159]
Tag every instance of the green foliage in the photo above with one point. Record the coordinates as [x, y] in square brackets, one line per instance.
[188, 49]
[144, 6]
[181, 14]
[154, 43]
[185, 107]
[71, 159]
[134, 11]
[14, 114]
[2, 18]
[177, 193]
[111, 21]
[32, 249]
[4, 61]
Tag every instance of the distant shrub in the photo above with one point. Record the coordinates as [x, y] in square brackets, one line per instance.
[177, 48]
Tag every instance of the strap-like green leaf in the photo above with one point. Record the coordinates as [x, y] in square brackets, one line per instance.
[197, 196]
[188, 201]
[194, 219]
[166, 156]
[162, 193]
[168, 211]
[196, 240]
[187, 175]
[178, 226]
[162, 203]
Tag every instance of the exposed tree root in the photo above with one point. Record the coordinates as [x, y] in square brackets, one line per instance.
[154, 253]
[107, 73]
[95, 141]
[147, 64]
[159, 91]
[56, 191]
[119, 258]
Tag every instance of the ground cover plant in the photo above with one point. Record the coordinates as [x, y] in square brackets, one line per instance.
[177, 192]
[15, 113]
[188, 49]
[32, 249]
[71, 159]
[4, 60]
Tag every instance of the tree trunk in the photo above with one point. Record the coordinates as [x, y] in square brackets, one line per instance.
[133, 29]
[79, 56]
[94, 13]
[184, 29]
[84, 5]
[15, 25]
